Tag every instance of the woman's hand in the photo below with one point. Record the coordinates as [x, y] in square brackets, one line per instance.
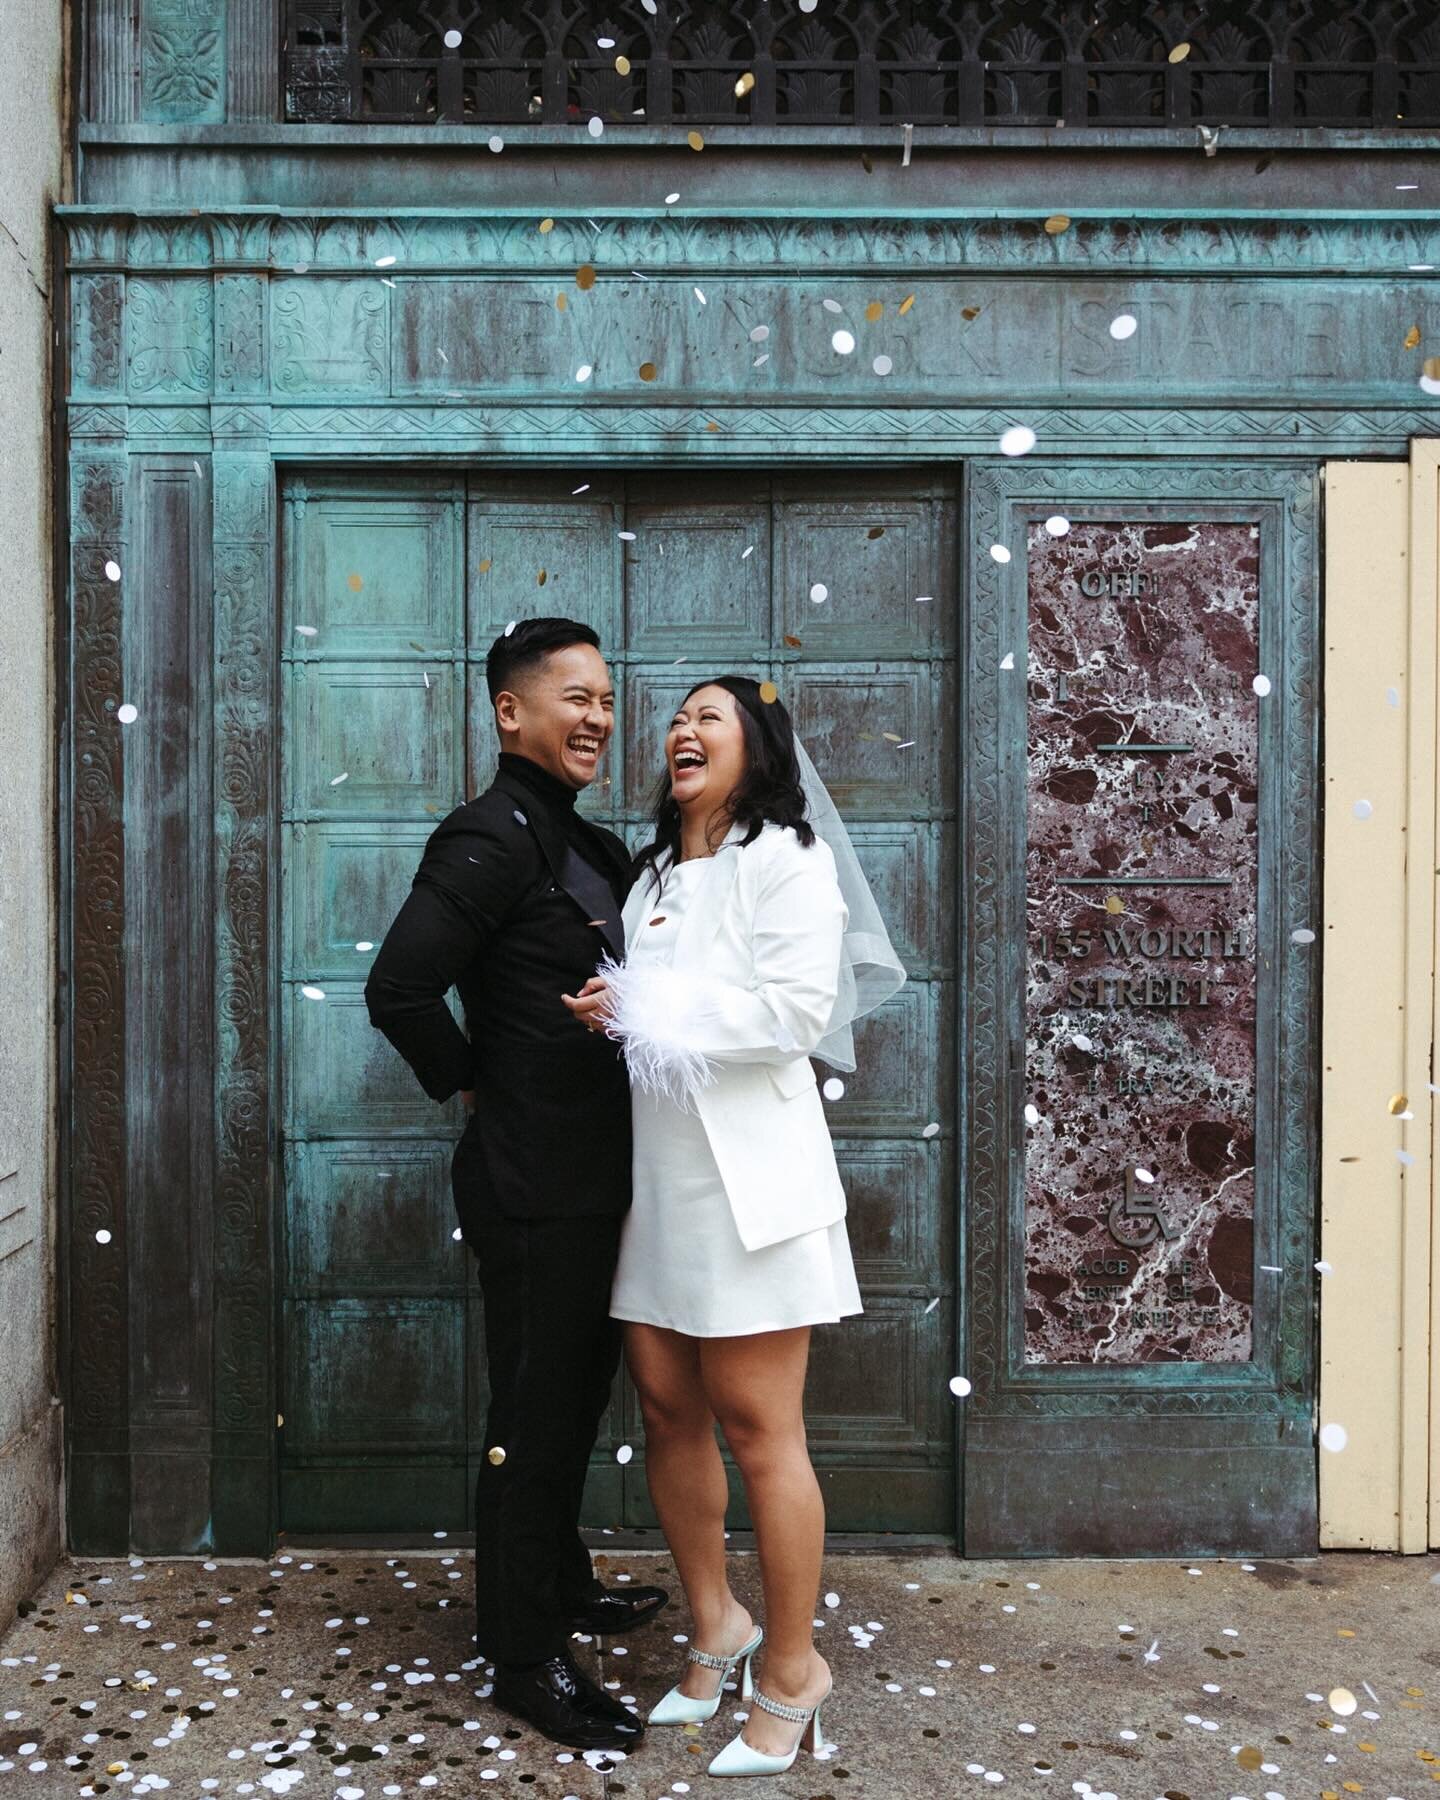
[591, 1006]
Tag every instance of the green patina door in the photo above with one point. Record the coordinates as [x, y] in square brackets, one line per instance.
[840, 586]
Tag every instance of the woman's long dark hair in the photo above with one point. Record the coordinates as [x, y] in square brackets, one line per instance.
[769, 792]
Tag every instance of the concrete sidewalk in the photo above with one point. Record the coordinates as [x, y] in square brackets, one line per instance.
[345, 1674]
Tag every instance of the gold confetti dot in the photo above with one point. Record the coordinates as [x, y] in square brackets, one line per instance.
[622, 65]
[905, 305]
[354, 583]
[585, 277]
[648, 371]
[1056, 223]
[546, 225]
[867, 162]
[710, 425]
[496, 1455]
[1250, 1758]
[114, 1768]
[1178, 54]
[1352, 1787]
[1398, 1103]
[541, 578]
[1412, 337]
[659, 919]
[875, 531]
[484, 565]
[694, 140]
[561, 303]
[769, 693]
[875, 310]
[793, 642]
[1366, 1746]
[1343, 1633]
[1430, 368]
[1415, 1693]
[1114, 904]
[969, 312]
[744, 85]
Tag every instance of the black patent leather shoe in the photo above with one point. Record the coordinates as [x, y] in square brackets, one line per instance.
[616, 1610]
[554, 1697]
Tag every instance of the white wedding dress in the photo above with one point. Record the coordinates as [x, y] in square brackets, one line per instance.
[682, 1264]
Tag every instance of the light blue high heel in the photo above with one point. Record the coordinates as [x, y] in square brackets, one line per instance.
[739, 1758]
[684, 1709]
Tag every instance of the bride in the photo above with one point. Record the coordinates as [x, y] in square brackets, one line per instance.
[752, 942]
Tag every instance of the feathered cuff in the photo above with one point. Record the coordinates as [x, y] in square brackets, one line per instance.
[656, 1014]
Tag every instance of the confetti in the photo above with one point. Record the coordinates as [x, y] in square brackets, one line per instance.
[882, 365]
[1018, 440]
[842, 342]
[692, 138]
[386, 262]
[452, 40]
[1122, 326]
[495, 1454]
[127, 713]
[1412, 337]
[1341, 1702]
[1261, 685]
[744, 85]
[585, 277]
[834, 1088]
[647, 371]
[960, 1385]
[670, 199]
[905, 305]
[1056, 223]
[622, 64]
[312, 993]
[1057, 525]
[584, 372]
[596, 126]
[1007, 661]
[700, 296]
[1362, 809]
[112, 570]
[1333, 1437]
[931, 1130]
[1000, 553]
[546, 226]
[819, 592]
[769, 693]
[624, 1453]
[1178, 53]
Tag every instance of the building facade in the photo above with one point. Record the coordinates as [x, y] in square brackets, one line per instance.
[1042, 404]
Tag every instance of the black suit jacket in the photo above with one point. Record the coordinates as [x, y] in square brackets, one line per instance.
[502, 908]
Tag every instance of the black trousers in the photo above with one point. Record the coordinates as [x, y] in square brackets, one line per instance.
[553, 1350]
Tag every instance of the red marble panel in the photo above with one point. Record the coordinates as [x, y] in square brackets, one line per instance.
[1140, 997]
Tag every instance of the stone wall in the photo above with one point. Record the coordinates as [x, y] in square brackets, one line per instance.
[33, 176]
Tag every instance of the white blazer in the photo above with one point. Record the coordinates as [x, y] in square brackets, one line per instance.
[728, 1027]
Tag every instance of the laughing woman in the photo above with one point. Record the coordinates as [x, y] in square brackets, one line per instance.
[752, 942]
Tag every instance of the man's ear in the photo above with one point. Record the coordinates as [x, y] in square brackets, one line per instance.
[506, 719]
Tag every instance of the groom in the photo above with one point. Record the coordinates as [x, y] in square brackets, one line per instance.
[515, 900]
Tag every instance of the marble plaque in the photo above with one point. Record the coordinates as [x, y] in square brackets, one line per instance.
[1141, 821]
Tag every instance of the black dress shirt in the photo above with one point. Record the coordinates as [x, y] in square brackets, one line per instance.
[516, 899]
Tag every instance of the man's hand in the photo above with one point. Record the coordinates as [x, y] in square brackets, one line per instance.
[591, 1006]
[468, 1096]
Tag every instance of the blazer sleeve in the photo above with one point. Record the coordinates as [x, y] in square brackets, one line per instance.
[475, 865]
[674, 1023]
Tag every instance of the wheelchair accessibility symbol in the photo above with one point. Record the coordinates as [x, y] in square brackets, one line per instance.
[1136, 1217]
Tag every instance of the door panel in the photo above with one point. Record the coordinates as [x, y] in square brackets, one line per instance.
[407, 580]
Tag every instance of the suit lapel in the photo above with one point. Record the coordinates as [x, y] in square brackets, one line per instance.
[586, 886]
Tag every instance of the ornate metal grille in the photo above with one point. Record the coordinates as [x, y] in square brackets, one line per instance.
[1254, 63]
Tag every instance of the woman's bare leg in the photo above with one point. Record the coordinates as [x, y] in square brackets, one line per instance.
[755, 1388]
[686, 1477]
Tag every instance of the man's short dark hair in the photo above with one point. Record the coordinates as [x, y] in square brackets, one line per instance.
[527, 646]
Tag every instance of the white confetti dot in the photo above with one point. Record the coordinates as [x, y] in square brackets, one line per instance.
[1340, 1700]
[1000, 553]
[1261, 684]
[700, 296]
[832, 306]
[1007, 661]
[102, 1236]
[1122, 326]
[882, 365]
[497, 144]
[1429, 385]
[832, 1600]
[596, 126]
[1302, 934]
[1362, 809]
[1334, 1437]
[1032, 1113]
[312, 993]
[385, 262]
[1057, 525]
[1019, 440]
[307, 630]
[624, 1453]
[842, 342]
[834, 1088]
[126, 713]
[585, 371]
[335, 780]
[112, 570]
[670, 199]
[819, 592]
[452, 40]
[759, 333]
[931, 1130]
[1143, 1174]
[808, 6]
[960, 1385]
